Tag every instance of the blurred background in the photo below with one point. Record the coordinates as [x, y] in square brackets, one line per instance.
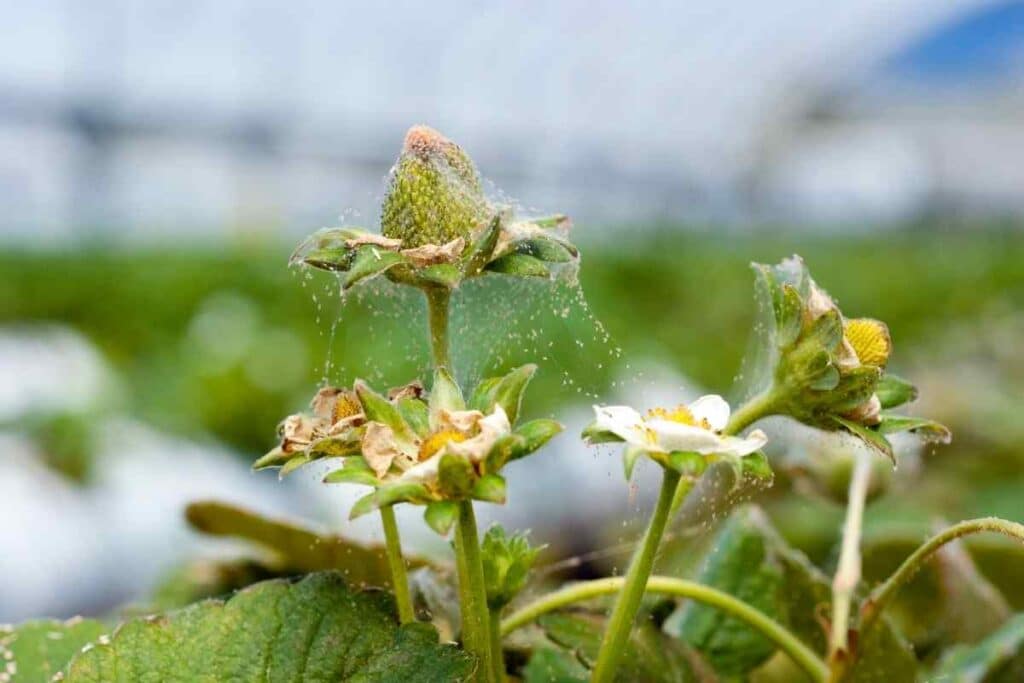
[158, 162]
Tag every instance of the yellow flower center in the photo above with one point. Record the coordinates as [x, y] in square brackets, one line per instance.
[436, 441]
[346, 405]
[870, 340]
[679, 414]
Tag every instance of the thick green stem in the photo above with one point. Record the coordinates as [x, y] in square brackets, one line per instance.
[848, 570]
[399, 579]
[628, 602]
[883, 595]
[497, 653]
[586, 590]
[438, 299]
[761, 405]
[476, 637]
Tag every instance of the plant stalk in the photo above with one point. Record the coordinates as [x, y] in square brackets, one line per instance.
[848, 571]
[759, 406]
[883, 595]
[399, 578]
[620, 622]
[497, 653]
[476, 638]
[787, 642]
[438, 299]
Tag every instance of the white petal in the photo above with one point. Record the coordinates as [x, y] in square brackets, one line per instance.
[676, 436]
[459, 420]
[424, 472]
[625, 423]
[492, 427]
[740, 446]
[712, 408]
[379, 447]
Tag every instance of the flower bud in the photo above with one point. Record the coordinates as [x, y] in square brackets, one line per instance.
[507, 561]
[435, 194]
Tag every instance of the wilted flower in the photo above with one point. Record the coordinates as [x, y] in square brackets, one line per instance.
[431, 450]
[829, 371]
[684, 438]
[438, 227]
[507, 561]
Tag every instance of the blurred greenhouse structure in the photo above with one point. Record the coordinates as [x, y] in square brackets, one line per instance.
[158, 118]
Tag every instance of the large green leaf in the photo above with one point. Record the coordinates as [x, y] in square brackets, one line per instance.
[997, 659]
[36, 650]
[313, 630]
[295, 548]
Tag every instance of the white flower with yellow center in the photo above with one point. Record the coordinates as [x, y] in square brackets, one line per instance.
[693, 428]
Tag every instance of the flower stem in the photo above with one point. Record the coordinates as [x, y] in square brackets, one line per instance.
[883, 595]
[778, 634]
[628, 602]
[399, 579]
[497, 653]
[476, 637]
[437, 319]
[761, 405]
[848, 570]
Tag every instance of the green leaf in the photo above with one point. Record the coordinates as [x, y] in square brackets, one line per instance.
[490, 488]
[507, 392]
[416, 414]
[369, 261]
[869, 436]
[355, 471]
[998, 658]
[379, 409]
[929, 430]
[297, 461]
[548, 665]
[33, 652]
[444, 274]
[441, 515]
[274, 458]
[313, 630]
[294, 548]
[520, 265]
[536, 433]
[455, 477]
[545, 249]
[894, 391]
[650, 656]
[445, 394]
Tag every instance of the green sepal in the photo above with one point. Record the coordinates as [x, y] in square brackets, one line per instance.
[441, 515]
[390, 494]
[326, 249]
[355, 471]
[330, 258]
[827, 330]
[370, 260]
[690, 465]
[295, 463]
[545, 249]
[274, 458]
[856, 386]
[455, 477]
[445, 394]
[520, 265]
[507, 447]
[483, 248]
[595, 435]
[507, 392]
[416, 414]
[550, 222]
[443, 274]
[869, 436]
[630, 456]
[483, 396]
[379, 409]
[490, 488]
[929, 430]
[536, 433]
[788, 314]
[334, 447]
[756, 466]
[893, 391]
[827, 380]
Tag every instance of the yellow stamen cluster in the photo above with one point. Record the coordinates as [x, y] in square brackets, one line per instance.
[436, 441]
[680, 414]
[870, 340]
[346, 405]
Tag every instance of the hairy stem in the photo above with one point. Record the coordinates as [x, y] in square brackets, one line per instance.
[497, 653]
[628, 602]
[883, 595]
[399, 579]
[847, 576]
[438, 299]
[778, 634]
[759, 406]
[476, 638]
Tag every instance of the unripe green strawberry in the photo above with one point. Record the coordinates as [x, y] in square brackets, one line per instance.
[435, 194]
